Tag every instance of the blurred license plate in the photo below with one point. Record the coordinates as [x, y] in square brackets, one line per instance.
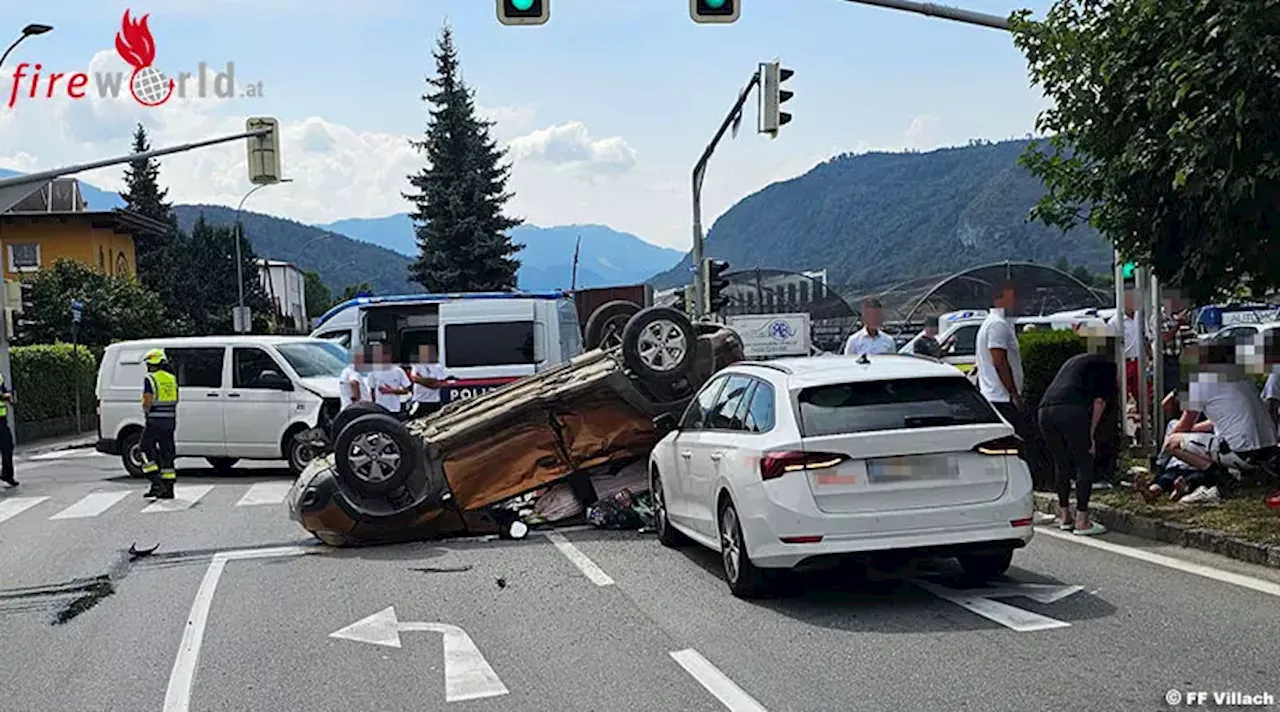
[911, 468]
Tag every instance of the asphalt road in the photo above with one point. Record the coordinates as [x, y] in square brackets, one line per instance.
[590, 621]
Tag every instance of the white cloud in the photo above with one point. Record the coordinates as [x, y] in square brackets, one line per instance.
[920, 132]
[571, 147]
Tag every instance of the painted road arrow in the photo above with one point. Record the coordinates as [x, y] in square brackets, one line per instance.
[982, 601]
[467, 675]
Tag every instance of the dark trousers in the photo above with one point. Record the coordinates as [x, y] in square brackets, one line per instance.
[1025, 427]
[1066, 435]
[159, 452]
[1193, 478]
[6, 451]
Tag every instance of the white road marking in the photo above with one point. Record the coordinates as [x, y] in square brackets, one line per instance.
[467, 675]
[10, 508]
[91, 505]
[579, 559]
[981, 602]
[734, 698]
[177, 697]
[265, 493]
[1255, 584]
[183, 497]
[74, 454]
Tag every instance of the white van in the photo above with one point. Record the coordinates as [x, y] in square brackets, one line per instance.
[958, 331]
[240, 397]
[484, 340]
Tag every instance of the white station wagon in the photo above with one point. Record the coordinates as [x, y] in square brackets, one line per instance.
[781, 464]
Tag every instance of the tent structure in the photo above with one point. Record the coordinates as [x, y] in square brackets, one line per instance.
[1041, 290]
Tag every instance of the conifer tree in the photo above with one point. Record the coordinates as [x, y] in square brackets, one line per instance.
[460, 195]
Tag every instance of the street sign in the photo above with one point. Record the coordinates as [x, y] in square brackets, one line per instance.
[242, 320]
[77, 310]
[982, 601]
[467, 675]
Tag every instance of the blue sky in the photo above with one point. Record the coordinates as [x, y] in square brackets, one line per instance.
[605, 108]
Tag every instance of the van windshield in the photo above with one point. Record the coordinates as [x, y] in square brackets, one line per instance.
[314, 360]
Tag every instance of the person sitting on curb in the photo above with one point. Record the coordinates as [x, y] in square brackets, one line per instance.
[1178, 478]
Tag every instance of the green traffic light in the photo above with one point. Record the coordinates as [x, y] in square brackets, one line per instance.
[523, 5]
[714, 4]
[1127, 270]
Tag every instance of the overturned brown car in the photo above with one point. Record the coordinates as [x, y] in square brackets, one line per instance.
[443, 475]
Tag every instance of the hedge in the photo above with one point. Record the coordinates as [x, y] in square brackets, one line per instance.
[44, 380]
[1043, 353]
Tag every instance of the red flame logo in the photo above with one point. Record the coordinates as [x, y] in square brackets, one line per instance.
[136, 46]
[134, 42]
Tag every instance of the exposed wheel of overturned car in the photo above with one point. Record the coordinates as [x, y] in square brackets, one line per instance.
[605, 325]
[658, 345]
[350, 414]
[376, 454]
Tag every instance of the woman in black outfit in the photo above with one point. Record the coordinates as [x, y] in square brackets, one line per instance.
[1071, 411]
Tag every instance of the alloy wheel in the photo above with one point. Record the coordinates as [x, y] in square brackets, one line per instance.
[730, 546]
[662, 345]
[374, 457]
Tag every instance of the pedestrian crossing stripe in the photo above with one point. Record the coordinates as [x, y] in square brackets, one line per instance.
[77, 454]
[186, 497]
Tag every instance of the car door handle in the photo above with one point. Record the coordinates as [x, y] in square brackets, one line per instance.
[686, 454]
[233, 395]
[716, 456]
[211, 395]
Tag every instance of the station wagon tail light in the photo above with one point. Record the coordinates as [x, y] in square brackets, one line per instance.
[1010, 445]
[777, 464]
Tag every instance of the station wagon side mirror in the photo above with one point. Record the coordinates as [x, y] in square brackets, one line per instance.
[665, 422]
[274, 381]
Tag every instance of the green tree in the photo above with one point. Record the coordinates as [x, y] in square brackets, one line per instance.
[318, 296]
[1163, 135]
[354, 290]
[208, 283]
[116, 307]
[158, 259]
[460, 195]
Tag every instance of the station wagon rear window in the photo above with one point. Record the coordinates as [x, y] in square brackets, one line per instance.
[869, 406]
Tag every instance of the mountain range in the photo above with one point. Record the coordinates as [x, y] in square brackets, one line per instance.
[878, 218]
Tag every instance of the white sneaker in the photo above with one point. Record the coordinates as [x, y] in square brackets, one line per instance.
[1203, 496]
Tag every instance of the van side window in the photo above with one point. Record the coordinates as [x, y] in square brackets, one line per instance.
[508, 343]
[341, 338]
[198, 368]
[248, 364]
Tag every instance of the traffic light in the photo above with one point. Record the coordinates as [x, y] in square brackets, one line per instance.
[17, 303]
[772, 97]
[714, 283]
[524, 12]
[714, 11]
[1127, 270]
[264, 151]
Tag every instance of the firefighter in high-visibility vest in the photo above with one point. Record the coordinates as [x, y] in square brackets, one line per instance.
[6, 435]
[160, 404]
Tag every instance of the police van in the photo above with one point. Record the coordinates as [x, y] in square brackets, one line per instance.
[958, 331]
[484, 340]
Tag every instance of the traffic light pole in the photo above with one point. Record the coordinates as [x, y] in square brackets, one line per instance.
[955, 14]
[699, 172]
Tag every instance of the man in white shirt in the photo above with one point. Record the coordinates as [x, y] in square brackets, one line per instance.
[1134, 342]
[870, 340]
[428, 377]
[1242, 429]
[353, 386]
[999, 368]
[388, 381]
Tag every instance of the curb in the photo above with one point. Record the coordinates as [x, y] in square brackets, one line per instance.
[37, 449]
[1210, 540]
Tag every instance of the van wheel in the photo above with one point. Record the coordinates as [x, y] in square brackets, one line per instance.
[376, 454]
[658, 345]
[131, 452]
[605, 325]
[300, 454]
[223, 465]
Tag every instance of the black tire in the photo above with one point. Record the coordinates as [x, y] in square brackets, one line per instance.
[223, 465]
[131, 452]
[299, 454]
[667, 534]
[659, 345]
[987, 565]
[745, 579]
[353, 411]
[605, 325]
[376, 454]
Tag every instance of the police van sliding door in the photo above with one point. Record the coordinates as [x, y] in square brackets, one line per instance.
[487, 343]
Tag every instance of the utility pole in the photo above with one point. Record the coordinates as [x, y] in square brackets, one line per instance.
[699, 171]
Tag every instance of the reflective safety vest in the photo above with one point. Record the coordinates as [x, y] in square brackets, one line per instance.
[164, 395]
[4, 405]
